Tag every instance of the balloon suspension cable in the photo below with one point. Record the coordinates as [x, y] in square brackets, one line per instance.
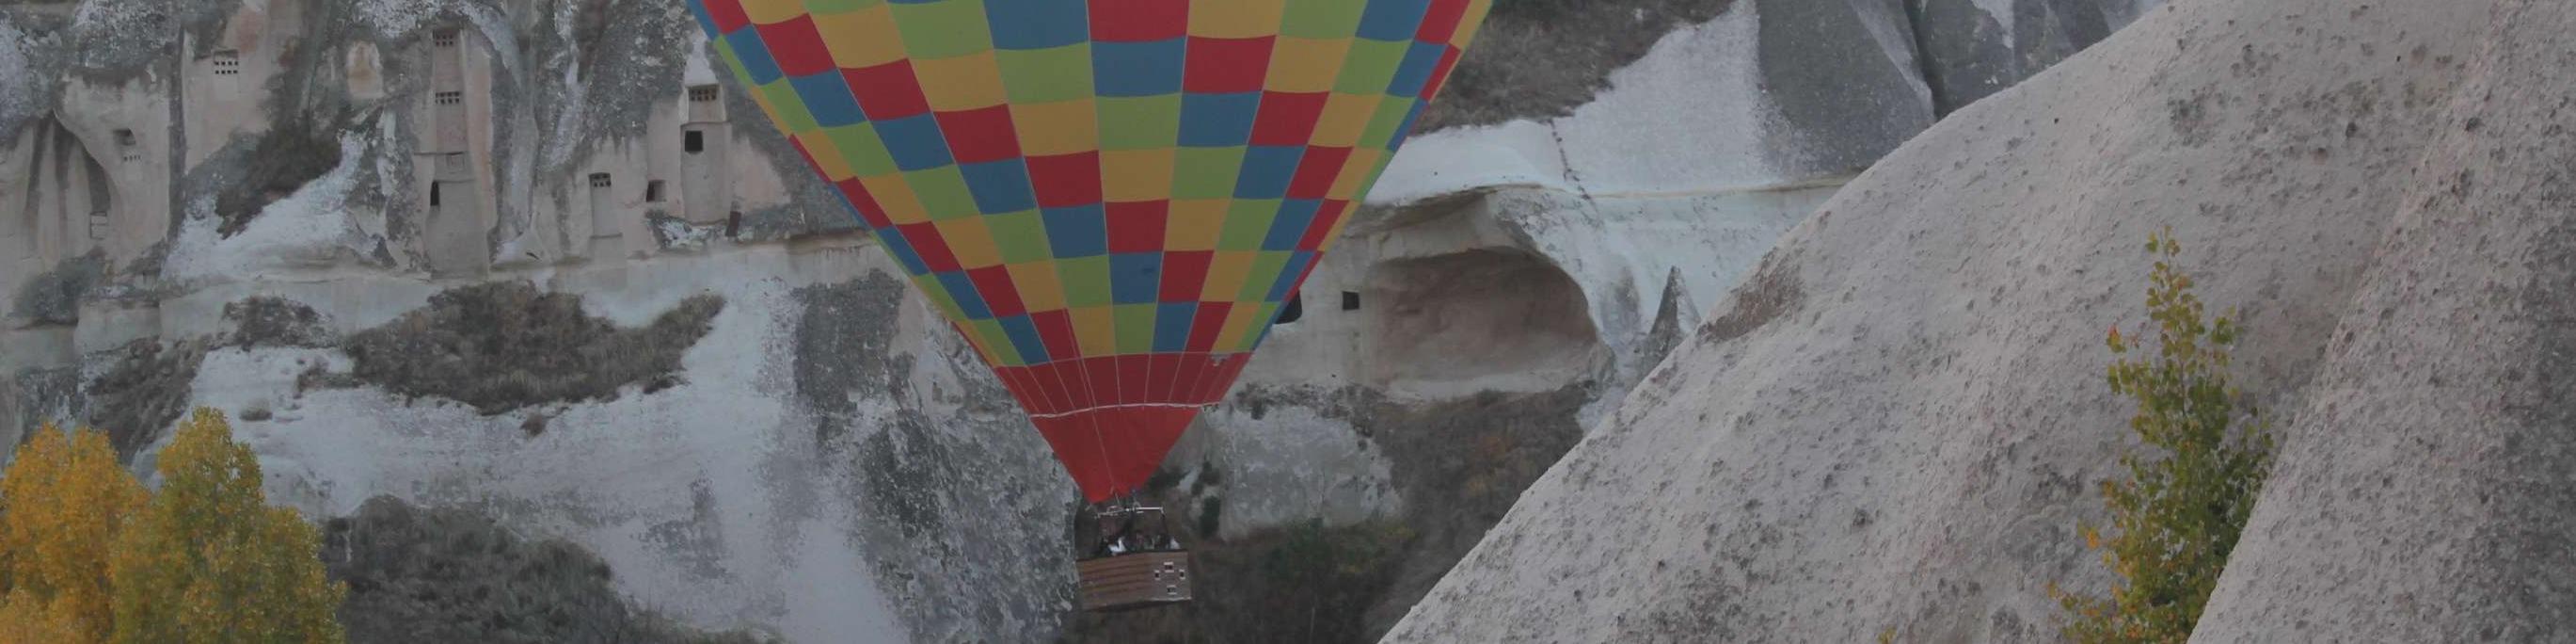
[1098, 439]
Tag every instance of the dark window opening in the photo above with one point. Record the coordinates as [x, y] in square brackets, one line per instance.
[599, 180]
[693, 142]
[451, 98]
[1350, 300]
[444, 38]
[1294, 309]
[702, 94]
[125, 145]
[653, 191]
[433, 194]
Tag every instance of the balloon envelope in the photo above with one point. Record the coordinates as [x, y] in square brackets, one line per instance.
[1110, 199]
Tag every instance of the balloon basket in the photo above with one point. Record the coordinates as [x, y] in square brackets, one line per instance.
[1134, 561]
[1135, 581]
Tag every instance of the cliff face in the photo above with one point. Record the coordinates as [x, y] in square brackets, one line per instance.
[1892, 427]
[534, 261]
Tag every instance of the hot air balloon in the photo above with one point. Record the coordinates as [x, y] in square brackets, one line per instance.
[1110, 199]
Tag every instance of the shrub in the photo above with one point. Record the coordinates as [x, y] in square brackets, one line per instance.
[88, 555]
[2176, 517]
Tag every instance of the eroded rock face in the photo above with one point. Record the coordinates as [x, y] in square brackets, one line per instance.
[1540, 59]
[1971, 49]
[54, 297]
[1839, 123]
[2422, 490]
[1892, 427]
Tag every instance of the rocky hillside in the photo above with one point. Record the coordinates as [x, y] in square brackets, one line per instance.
[1892, 427]
[531, 266]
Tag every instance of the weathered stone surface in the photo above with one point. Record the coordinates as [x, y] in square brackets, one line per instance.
[54, 297]
[2426, 485]
[1893, 427]
[1843, 75]
[1541, 59]
[1971, 49]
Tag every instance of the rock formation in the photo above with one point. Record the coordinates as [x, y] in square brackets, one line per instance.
[1891, 428]
[2424, 491]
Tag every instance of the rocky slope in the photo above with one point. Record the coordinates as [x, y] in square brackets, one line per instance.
[1891, 428]
[532, 262]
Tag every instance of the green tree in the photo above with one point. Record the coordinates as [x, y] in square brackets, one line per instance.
[61, 505]
[2176, 516]
[210, 561]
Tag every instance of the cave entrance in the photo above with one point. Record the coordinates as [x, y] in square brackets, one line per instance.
[1490, 318]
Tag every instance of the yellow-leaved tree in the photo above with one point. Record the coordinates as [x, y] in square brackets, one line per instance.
[2187, 498]
[87, 554]
[61, 505]
[209, 561]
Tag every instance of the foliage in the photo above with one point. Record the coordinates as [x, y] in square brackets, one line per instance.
[2177, 517]
[1318, 577]
[87, 554]
[61, 505]
[210, 561]
[25, 619]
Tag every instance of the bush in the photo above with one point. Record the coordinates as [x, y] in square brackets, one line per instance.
[2177, 517]
[88, 555]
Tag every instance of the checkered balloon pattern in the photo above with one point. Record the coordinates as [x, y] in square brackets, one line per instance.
[1110, 199]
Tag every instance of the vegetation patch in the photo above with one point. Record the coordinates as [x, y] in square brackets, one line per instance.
[505, 345]
[274, 322]
[2182, 506]
[453, 575]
